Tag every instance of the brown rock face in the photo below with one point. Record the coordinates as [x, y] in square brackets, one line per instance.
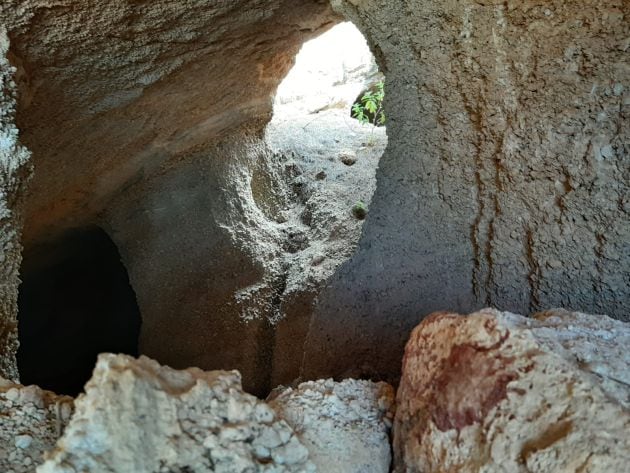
[145, 118]
[494, 391]
[505, 182]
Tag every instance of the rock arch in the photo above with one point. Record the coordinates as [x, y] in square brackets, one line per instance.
[504, 183]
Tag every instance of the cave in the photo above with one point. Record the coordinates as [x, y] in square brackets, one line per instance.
[74, 302]
[269, 262]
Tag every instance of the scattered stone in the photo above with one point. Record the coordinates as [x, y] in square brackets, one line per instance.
[139, 416]
[317, 260]
[23, 441]
[495, 391]
[344, 425]
[31, 421]
[348, 158]
[321, 175]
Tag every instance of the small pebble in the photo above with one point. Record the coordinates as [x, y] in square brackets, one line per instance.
[348, 158]
[23, 441]
[317, 260]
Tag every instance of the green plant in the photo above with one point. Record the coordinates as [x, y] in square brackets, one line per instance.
[359, 210]
[369, 109]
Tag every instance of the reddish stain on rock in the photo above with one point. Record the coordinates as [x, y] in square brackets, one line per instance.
[471, 381]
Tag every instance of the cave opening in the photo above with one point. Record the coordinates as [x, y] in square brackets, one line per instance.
[75, 301]
[331, 156]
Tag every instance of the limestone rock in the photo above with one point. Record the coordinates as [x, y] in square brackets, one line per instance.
[31, 421]
[498, 392]
[507, 154]
[185, 89]
[138, 416]
[344, 425]
[15, 171]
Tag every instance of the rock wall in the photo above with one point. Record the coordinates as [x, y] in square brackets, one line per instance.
[504, 183]
[506, 178]
[204, 261]
[14, 175]
[149, 82]
[151, 129]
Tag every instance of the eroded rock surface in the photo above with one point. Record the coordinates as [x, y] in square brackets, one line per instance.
[132, 132]
[14, 174]
[345, 425]
[498, 392]
[505, 182]
[31, 421]
[139, 416]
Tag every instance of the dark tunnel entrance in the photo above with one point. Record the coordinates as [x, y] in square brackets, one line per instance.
[75, 301]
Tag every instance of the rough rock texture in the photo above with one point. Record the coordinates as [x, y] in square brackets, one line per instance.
[122, 130]
[505, 181]
[14, 174]
[265, 234]
[31, 421]
[224, 231]
[150, 82]
[498, 392]
[139, 416]
[345, 425]
[322, 231]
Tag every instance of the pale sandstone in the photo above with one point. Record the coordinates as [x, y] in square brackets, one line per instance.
[498, 392]
[137, 416]
[31, 421]
[345, 425]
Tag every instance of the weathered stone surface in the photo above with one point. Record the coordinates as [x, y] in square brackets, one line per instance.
[139, 416]
[31, 421]
[344, 425]
[14, 174]
[505, 181]
[498, 392]
[112, 92]
[506, 166]
[146, 119]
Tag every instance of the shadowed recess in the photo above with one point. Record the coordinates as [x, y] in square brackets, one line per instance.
[75, 301]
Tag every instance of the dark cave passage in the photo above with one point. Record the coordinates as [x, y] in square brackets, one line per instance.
[75, 301]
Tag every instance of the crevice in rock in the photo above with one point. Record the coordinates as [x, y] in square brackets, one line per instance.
[533, 277]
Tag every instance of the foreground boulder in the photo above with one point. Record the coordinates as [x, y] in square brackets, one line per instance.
[31, 421]
[138, 416]
[498, 392]
[344, 425]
